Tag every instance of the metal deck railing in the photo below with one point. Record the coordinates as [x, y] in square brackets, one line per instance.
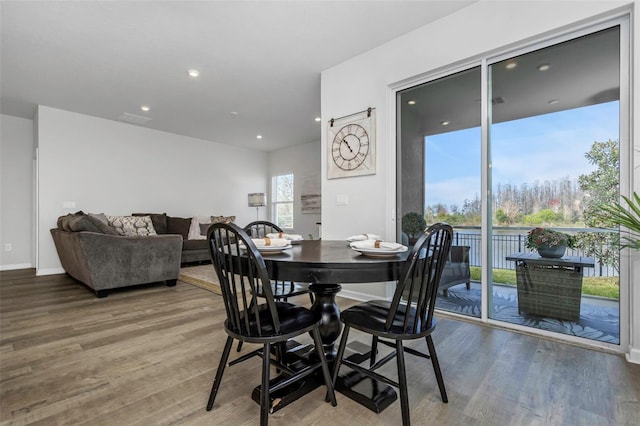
[507, 240]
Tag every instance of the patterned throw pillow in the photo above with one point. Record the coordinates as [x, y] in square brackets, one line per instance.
[132, 226]
[223, 219]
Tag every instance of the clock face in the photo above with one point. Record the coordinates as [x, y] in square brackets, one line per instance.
[350, 147]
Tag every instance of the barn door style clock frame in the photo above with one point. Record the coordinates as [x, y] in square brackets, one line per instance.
[351, 145]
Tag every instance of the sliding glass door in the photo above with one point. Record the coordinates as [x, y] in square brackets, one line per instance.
[538, 132]
[554, 126]
[439, 147]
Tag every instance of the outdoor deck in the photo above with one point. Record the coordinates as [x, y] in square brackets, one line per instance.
[599, 317]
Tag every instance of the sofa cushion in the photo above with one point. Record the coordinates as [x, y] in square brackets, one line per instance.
[194, 245]
[132, 226]
[159, 221]
[179, 225]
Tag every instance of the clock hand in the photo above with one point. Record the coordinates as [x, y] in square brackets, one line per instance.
[347, 143]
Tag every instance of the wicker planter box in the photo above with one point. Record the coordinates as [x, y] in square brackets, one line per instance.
[549, 291]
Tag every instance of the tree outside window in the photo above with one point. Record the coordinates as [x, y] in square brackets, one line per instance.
[282, 201]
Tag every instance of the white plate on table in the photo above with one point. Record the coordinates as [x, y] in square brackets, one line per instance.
[268, 249]
[376, 252]
[273, 249]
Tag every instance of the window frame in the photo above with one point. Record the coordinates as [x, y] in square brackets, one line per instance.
[275, 203]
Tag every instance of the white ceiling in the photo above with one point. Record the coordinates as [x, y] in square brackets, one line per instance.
[260, 59]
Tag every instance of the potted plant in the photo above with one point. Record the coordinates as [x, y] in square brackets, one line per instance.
[628, 216]
[413, 224]
[548, 242]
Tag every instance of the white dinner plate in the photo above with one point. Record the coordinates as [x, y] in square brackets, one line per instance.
[273, 249]
[374, 252]
[269, 249]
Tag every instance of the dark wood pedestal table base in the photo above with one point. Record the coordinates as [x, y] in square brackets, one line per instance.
[326, 265]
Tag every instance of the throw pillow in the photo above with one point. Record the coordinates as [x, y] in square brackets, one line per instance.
[159, 221]
[132, 226]
[89, 223]
[223, 219]
[63, 221]
[101, 217]
[179, 225]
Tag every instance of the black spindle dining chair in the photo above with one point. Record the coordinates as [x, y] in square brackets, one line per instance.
[241, 270]
[281, 290]
[408, 316]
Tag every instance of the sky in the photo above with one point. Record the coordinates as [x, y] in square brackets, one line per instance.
[544, 147]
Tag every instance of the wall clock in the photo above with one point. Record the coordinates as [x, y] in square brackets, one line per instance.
[351, 145]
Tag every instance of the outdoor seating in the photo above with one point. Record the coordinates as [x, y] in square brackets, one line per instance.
[457, 270]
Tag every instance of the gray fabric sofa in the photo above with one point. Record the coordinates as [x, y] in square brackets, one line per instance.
[103, 261]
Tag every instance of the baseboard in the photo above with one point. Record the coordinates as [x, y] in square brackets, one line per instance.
[49, 271]
[633, 356]
[16, 266]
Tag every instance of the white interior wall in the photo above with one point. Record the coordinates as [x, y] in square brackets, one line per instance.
[118, 168]
[366, 80]
[304, 162]
[16, 189]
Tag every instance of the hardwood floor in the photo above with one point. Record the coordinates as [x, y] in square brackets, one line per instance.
[147, 356]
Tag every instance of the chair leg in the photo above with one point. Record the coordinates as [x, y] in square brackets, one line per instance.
[402, 384]
[436, 368]
[325, 367]
[218, 379]
[374, 350]
[239, 346]
[340, 354]
[264, 389]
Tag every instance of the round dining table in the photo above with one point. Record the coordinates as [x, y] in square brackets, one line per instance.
[326, 265]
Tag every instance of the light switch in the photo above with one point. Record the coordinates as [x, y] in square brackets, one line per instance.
[342, 200]
[68, 204]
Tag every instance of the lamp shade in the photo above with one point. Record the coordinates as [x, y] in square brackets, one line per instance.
[257, 199]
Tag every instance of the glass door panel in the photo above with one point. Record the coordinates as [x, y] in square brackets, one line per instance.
[439, 163]
[554, 143]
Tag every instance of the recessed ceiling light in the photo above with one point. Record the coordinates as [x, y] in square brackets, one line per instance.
[544, 67]
[411, 102]
[511, 65]
[444, 123]
[145, 108]
[259, 137]
[234, 112]
[553, 101]
[193, 73]
[318, 118]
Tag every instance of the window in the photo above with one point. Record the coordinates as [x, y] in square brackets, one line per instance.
[282, 201]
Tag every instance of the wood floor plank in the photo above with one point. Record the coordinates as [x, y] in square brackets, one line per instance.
[148, 355]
